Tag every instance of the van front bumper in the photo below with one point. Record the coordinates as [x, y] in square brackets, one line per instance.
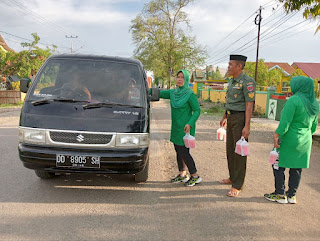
[116, 160]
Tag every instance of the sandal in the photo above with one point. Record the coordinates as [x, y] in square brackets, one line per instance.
[233, 192]
[225, 181]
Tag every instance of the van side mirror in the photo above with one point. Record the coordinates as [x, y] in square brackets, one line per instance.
[155, 94]
[24, 85]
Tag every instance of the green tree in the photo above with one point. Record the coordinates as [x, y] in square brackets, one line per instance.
[218, 74]
[264, 76]
[263, 72]
[275, 76]
[160, 42]
[312, 8]
[26, 61]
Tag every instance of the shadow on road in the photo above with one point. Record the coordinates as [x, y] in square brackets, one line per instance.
[119, 189]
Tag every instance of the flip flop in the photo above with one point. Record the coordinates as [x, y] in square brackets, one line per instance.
[225, 181]
[233, 192]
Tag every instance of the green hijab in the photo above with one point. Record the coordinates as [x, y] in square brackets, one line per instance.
[180, 95]
[304, 88]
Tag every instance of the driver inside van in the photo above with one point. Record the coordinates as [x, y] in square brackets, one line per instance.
[75, 88]
[121, 88]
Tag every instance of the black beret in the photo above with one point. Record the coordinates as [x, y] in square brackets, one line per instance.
[238, 57]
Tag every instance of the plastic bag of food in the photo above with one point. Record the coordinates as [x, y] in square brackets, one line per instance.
[274, 155]
[221, 134]
[242, 147]
[189, 141]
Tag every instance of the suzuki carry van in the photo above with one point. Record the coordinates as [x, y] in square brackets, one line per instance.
[86, 114]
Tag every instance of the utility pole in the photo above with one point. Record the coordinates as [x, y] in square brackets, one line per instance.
[257, 21]
[71, 37]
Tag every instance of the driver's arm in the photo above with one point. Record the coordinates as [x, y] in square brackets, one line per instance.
[85, 89]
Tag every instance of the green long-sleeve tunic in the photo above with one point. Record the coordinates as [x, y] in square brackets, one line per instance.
[186, 114]
[295, 129]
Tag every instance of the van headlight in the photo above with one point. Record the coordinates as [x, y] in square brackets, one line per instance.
[132, 140]
[32, 136]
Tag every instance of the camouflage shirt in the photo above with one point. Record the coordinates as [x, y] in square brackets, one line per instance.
[240, 91]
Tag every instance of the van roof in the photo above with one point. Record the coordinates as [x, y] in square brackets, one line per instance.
[96, 57]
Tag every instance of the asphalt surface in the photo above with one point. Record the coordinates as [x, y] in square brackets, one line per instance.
[113, 207]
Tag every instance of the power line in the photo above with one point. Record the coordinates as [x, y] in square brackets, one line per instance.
[41, 20]
[268, 4]
[262, 41]
[288, 36]
[19, 9]
[24, 38]
[278, 24]
[287, 29]
[218, 60]
[46, 21]
[245, 35]
[232, 31]
[274, 14]
[279, 39]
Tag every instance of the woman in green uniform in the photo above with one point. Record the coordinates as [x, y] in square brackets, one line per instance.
[299, 119]
[185, 111]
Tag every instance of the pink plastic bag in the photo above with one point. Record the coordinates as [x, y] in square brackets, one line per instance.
[189, 141]
[274, 155]
[242, 147]
[222, 134]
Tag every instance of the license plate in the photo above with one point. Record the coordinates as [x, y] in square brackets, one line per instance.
[77, 161]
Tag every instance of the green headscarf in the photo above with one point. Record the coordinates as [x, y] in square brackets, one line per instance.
[181, 95]
[304, 88]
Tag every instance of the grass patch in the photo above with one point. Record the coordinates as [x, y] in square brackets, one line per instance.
[212, 108]
[18, 104]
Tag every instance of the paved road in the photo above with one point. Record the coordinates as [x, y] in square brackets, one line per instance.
[103, 207]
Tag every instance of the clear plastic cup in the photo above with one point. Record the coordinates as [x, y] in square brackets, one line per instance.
[218, 134]
[186, 143]
[273, 157]
[223, 134]
[245, 149]
[238, 148]
[192, 143]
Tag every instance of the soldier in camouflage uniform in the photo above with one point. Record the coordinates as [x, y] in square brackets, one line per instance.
[239, 106]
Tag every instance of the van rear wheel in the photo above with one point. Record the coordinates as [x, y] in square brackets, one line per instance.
[142, 176]
[44, 174]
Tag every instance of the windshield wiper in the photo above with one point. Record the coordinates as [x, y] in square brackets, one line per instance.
[107, 104]
[47, 101]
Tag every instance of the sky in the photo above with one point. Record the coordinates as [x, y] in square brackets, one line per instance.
[103, 27]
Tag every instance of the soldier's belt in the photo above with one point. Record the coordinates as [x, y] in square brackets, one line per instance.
[231, 112]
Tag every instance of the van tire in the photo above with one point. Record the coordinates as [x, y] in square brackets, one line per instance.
[44, 174]
[143, 175]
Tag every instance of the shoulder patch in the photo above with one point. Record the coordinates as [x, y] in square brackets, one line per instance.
[251, 95]
[250, 88]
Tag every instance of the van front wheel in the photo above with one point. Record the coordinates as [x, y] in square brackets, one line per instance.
[142, 176]
[44, 174]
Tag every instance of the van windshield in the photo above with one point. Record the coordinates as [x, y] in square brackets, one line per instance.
[90, 80]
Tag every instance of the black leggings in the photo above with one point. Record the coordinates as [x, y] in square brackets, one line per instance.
[294, 181]
[184, 159]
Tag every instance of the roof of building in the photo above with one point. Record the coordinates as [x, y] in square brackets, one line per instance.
[4, 45]
[288, 69]
[310, 69]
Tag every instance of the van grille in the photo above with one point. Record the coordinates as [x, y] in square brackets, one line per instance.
[80, 138]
